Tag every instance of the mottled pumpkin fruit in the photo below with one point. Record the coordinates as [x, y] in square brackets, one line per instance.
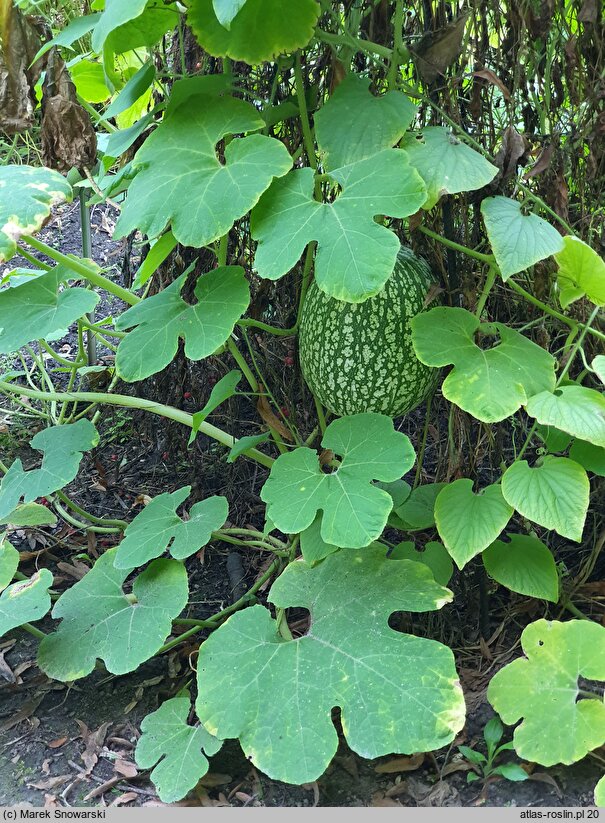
[358, 357]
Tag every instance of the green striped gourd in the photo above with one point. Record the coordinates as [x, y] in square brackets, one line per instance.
[358, 357]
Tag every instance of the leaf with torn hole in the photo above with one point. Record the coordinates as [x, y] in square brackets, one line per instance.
[396, 692]
[541, 689]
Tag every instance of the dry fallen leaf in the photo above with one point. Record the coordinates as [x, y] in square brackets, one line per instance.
[24, 713]
[271, 419]
[492, 78]
[127, 797]
[542, 163]
[126, 768]
[401, 764]
[93, 742]
[57, 743]
[51, 782]
[212, 779]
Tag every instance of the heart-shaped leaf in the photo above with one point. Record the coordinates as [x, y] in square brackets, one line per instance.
[223, 296]
[542, 688]
[25, 601]
[180, 751]
[159, 528]
[27, 194]
[355, 124]
[524, 565]
[518, 240]
[396, 692]
[446, 164]
[417, 512]
[581, 273]
[227, 10]
[259, 31]
[100, 621]
[182, 182]
[136, 24]
[592, 458]
[62, 447]
[468, 522]
[39, 308]
[555, 494]
[491, 384]
[598, 365]
[434, 556]
[574, 409]
[354, 511]
[355, 254]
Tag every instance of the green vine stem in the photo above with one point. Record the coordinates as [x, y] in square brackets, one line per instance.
[490, 280]
[98, 327]
[304, 114]
[573, 324]
[304, 286]
[79, 267]
[78, 524]
[100, 521]
[27, 627]
[483, 258]
[169, 412]
[212, 623]
[366, 46]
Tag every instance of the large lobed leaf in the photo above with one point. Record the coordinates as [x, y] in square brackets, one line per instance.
[355, 254]
[182, 182]
[100, 621]
[178, 752]
[40, 309]
[223, 296]
[354, 511]
[355, 124]
[396, 692]
[491, 384]
[27, 194]
[62, 447]
[542, 688]
[158, 527]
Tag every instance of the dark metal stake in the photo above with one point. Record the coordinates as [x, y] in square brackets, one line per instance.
[91, 343]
